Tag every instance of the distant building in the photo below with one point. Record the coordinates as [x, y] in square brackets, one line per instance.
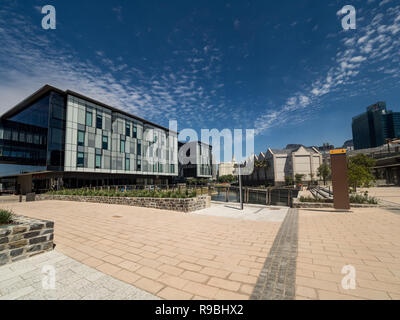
[326, 147]
[288, 162]
[226, 168]
[199, 160]
[348, 145]
[372, 128]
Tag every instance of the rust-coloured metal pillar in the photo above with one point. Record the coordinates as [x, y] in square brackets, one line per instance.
[340, 182]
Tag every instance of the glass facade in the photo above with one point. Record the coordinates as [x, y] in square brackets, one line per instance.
[99, 121]
[35, 135]
[127, 144]
[89, 118]
[372, 128]
[61, 132]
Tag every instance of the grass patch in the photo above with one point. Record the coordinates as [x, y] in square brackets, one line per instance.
[6, 216]
[129, 193]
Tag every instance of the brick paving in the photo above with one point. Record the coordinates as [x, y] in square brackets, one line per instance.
[367, 239]
[196, 256]
[277, 278]
[168, 254]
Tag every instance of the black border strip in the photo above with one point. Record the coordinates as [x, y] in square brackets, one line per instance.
[277, 280]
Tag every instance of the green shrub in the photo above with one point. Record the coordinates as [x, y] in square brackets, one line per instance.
[354, 198]
[315, 200]
[362, 199]
[6, 216]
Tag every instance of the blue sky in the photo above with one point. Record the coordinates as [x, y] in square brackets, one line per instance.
[284, 68]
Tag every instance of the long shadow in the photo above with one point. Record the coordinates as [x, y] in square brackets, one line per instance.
[230, 207]
[277, 280]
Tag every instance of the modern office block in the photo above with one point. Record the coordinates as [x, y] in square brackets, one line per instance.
[58, 138]
[372, 128]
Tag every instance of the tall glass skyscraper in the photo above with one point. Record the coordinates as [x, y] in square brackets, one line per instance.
[372, 128]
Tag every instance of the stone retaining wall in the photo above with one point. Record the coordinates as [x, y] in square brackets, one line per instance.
[181, 205]
[25, 238]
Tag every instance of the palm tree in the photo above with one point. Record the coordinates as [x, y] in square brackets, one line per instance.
[262, 163]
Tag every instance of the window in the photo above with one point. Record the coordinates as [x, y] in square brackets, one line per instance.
[127, 164]
[89, 118]
[15, 135]
[160, 167]
[99, 121]
[155, 139]
[81, 138]
[22, 137]
[105, 142]
[134, 133]
[29, 138]
[139, 165]
[98, 161]
[172, 168]
[80, 162]
[128, 130]
[122, 146]
[139, 149]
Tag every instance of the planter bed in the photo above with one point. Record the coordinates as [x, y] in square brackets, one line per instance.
[298, 204]
[174, 204]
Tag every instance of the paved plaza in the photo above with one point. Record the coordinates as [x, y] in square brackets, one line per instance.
[31, 280]
[388, 195]
[218, 253]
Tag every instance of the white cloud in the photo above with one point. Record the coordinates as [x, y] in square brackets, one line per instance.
[377, 43]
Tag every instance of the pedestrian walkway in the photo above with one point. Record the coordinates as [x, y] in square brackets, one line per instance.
[169, 254]
[31, 280]
[249, 212]
[218, 253]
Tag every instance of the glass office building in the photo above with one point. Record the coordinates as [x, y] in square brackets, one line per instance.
[372, 128]
[58, 138]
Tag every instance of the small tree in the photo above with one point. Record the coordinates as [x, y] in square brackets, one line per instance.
[262, 164]
[289, 181]
[227, 179]
[360, 171]
[324, 172]
[299, 178]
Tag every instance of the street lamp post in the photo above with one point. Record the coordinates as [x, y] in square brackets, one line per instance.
[240, 185]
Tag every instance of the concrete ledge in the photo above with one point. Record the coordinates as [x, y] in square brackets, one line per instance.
[174, 204]
[25, 238]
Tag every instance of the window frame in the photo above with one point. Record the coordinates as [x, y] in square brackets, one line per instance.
[99, 117]
[97, 156]
[127, 161]
[79, 143]
[80, 165]
[103, 142]
[87, 118]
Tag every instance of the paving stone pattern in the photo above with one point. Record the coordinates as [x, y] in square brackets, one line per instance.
[278, 276]
[73, 281]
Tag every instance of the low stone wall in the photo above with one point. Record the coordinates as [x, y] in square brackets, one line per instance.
[174, 204]
[298, 204]
[24, 238]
